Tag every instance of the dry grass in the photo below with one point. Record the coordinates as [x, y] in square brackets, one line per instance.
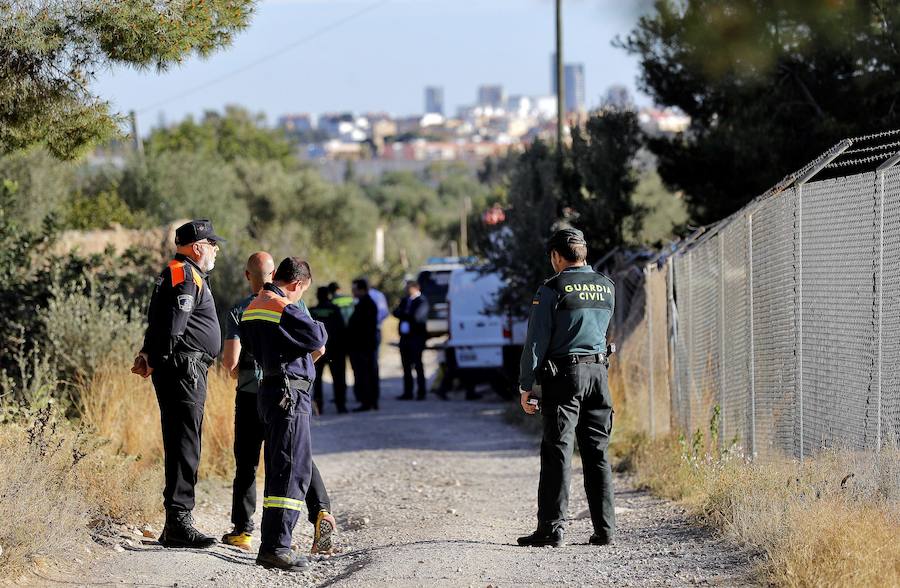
[122, 408]
[59, 486]
[831, 521]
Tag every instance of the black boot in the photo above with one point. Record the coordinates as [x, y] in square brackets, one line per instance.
[285, 560]
[599, 539]
[179, 531]
[543, 537]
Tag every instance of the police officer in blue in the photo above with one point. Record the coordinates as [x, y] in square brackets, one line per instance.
[285, 341]
[566, 350]
[181, 342]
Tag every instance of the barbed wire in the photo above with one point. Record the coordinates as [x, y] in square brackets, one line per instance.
[875, 136]
[860, 161]
[872, 149]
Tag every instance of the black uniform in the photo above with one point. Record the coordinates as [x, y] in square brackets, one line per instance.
[413, 315]
[362, 345]
[329, 314]
[282, 336]
[182, 340]
[249, 436]
[566, 347]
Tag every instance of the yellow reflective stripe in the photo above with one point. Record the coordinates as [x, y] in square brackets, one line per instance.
[261, 314]
[282, 502]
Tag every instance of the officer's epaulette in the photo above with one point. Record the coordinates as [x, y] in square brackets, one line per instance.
[177, 269]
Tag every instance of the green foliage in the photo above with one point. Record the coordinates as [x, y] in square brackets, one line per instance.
[98, 212]
[50, 51]
[42, 186]
[233, 135]
[666, 212]
[769, 85]
[591, 188]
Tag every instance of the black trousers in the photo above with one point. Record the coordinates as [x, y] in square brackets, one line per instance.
[180, 386]
[576, 405]
[288, 456]
[248, 440]
[337, 364]
[365, 377]
[411, 358]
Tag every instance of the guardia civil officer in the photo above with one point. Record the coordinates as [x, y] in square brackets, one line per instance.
[181, 342]
[249, 432]
[565, 348]
[285, 341]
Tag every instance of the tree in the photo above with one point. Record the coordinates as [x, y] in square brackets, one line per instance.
[51, 49]
[768, 84]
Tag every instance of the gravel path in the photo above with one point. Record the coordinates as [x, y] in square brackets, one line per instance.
[435, 493]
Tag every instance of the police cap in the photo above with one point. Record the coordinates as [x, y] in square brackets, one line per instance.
[196, 230]
[565, 238]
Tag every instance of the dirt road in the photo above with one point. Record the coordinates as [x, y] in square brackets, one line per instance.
[434, 493]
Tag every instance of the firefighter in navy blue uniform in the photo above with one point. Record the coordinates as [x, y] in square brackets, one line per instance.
[285, 341]
[248, 429]
[566, 348]
[181, 342]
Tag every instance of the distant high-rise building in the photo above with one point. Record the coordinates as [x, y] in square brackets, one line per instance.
[434, 100]
[491, 95]
[618, 97]
[573, 75]
[574, 87]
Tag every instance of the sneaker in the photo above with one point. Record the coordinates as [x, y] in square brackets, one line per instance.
[239, 539]
[179, 531]
[543, 538]
[323, 540]
[287, 560]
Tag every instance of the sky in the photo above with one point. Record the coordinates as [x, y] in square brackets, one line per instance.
[318, 56]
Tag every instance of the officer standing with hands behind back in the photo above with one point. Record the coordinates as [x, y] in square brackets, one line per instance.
[181, 342]
[566, 350]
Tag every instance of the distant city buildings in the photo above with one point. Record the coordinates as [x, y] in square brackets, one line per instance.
[491, 96]
[434, 100]
[489, 127]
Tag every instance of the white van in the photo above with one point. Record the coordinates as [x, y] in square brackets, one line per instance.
[485, 343]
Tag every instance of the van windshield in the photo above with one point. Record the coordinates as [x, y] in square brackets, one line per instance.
[434, 285]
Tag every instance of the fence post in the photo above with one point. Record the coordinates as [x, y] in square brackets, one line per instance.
[673, 326]
[648, 302]
[882, 169]
[752, 343]
[721, 238]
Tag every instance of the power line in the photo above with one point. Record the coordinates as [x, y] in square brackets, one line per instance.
[278, 52]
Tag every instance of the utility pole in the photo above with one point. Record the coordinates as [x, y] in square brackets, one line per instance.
[560, 82]
[136, 142]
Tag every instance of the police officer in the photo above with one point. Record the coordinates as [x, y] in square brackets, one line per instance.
[566, 348]
[329, 314]
[181, 342]
[248, 430]
[285, 342]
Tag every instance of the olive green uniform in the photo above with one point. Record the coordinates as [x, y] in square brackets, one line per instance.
[570, 315]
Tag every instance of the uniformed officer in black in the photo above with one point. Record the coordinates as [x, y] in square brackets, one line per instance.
[566, 349]
[181, 342]
[285, 341]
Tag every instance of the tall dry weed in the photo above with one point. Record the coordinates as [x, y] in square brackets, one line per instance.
[122, 408]
[59, 486]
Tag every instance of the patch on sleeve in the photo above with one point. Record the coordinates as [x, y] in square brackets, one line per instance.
[185, 302]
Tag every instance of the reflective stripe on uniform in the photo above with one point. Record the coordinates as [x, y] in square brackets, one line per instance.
[261, 314]
[282, 502]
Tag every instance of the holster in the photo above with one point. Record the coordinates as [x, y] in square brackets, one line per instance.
[548, 370]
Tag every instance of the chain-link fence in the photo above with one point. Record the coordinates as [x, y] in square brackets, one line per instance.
[778, 329]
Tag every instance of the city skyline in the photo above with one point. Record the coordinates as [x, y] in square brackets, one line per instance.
[345, 60]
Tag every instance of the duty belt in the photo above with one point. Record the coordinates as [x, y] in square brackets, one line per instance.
[202, 356]
[576, 359]
[288, 381]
